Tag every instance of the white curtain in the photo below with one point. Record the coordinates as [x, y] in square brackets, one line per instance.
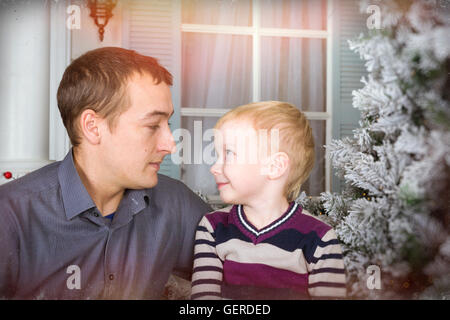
[217, 70]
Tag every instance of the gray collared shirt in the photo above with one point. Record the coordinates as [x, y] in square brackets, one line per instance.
[54, 243]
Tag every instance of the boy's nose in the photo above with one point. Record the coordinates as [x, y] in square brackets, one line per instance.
[216, 168]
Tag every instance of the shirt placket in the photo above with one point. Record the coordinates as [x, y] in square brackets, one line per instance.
[110, 275]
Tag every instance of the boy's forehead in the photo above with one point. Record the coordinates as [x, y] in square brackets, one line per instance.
[234, 129]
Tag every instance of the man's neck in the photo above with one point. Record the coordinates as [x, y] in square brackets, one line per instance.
[105, 194]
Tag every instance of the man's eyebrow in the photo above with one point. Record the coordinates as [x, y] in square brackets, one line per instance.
[158, 113]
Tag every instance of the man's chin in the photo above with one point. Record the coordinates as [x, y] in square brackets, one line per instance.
[146, 184]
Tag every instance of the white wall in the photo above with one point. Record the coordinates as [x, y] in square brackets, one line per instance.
[24, 61]
[35, 48]
[24, 84]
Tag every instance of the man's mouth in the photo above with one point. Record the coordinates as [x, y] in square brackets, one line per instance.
[156, 165]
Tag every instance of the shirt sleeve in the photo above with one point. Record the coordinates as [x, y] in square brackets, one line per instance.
[192, 209]
[9, 255]
[207, 272]
[326, 271]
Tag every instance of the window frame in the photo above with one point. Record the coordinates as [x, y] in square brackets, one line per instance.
[257, 32]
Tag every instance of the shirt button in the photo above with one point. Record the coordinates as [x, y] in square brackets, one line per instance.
[111, 277]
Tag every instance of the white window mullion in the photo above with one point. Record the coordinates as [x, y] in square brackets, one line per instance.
[218, 112]
[256, 51]
[216, 29]
[267, 32]
[293, 33]
[329, 93]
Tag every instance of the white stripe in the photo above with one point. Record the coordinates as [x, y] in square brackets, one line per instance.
[262, 253]
[268, 228]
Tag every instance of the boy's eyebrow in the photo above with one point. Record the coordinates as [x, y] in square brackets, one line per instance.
[157, 113]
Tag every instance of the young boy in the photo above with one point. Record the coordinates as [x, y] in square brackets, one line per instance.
[265, 245]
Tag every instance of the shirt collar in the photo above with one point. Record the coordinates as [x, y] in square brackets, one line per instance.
[136, 199]
[77, 200]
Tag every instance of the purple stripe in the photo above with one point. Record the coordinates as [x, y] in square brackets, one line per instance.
[261, 293]
[253, 274]
[218, 217]
[305, 224]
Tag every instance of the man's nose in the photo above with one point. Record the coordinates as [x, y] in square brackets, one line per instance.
[167, 143]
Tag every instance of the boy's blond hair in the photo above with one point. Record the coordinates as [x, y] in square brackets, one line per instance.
[295, 134]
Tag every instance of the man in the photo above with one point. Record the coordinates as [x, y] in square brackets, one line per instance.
[102, 224]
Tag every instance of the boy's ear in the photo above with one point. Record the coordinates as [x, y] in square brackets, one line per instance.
[278, 166]
[90, 126]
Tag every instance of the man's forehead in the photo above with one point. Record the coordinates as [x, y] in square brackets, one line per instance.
[149, 100]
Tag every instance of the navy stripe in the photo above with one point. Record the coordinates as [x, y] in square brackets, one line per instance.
[326, 256]
[328, 270]
[205, 255]
[323, 244]
[308, 243]
[207, 268]
[204, 241]
[327, 284]
[206, 281]
[228, 232]
[202, 228]
[205, 294]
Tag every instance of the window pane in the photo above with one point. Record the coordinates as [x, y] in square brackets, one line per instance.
[219, 12]
[198, 177]
[294, 14]
[316, 181]
[294, 70]
[216, 70]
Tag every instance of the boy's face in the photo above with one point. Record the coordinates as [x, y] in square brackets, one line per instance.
[135, 147]
[239, 169]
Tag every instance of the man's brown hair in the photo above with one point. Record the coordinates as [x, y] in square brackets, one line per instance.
[98, 80]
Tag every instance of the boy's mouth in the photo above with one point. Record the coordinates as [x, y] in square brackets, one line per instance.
[221, 184]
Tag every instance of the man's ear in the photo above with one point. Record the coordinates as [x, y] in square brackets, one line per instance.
[279, 165]
[89, 126]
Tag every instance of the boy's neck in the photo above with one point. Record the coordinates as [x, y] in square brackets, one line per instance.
[266, 210]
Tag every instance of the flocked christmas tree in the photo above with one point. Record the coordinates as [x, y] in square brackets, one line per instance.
[394, 210]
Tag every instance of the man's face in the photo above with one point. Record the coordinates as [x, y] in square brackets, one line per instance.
[239, 169]
[134, 149]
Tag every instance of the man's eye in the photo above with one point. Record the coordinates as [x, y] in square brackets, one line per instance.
[228, 152]
[154, 127]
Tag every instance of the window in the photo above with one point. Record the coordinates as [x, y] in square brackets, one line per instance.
[236, 52]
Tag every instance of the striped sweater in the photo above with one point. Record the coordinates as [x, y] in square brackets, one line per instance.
[295, 257]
